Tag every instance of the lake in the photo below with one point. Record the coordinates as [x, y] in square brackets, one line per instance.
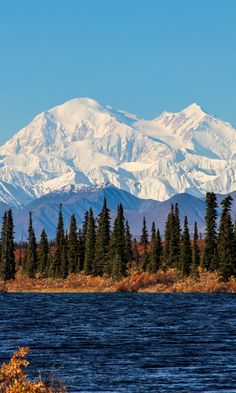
[129, 343]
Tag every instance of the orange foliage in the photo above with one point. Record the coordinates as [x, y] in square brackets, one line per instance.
[13, 378]
[162, 281]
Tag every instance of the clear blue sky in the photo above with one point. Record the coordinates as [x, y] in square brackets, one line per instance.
[144, 56]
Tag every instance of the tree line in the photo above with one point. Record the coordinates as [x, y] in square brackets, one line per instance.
[97, 249]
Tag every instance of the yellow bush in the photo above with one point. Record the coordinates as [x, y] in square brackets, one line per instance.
[14, 380]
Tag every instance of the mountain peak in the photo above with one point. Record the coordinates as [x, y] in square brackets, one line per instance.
[193, 109]
[75, 104]
[82, 143]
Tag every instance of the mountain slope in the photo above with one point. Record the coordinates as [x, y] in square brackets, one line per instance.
[45, 209]
[85, 144]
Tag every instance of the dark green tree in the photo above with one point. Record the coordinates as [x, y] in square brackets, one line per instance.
[4, 271]
[226, 242]
[176, 242]
[128, 242]
[145, 258]
[30, 262]
[11, 247]
[102, 241]
[209, 258]
[90, 242]
[153, 232]
[73, 246]
[196, 253]
[156, 254]
[172, 239]
[144, 236]
[7, 259]
[186, 250]
[167, 239]
[64, 258]
[80, 251]
[43, 254]
[82, 239]
[118, 257]
[58, 262]
[136, 255]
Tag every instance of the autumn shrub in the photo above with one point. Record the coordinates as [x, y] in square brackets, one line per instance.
[144, 280]
[14, 380]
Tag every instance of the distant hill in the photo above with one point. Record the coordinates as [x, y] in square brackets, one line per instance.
[45, 209]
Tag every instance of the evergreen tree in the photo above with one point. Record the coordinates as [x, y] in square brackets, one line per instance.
[136, 255]
[58, 262]
[11, 247]
[73, 246]
[128, 242]
[43, 254]
[145, 258]
[118, 257]
[209, 259]
[4, 265]
[196, 252]
[186, 250]
[156, 254]
[102, 241]
[168, 235]
[64, 258]
[7, 259]
[90, 242]
[226, 243]
[80, 251]
[30, 263]
[172, 238]
[144, 236]
[82, 239]
[177, 237]
[153, 232]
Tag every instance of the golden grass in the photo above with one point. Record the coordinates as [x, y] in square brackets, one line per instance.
[169, 281]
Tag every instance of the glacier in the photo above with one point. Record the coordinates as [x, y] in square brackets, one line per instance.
[82, 144]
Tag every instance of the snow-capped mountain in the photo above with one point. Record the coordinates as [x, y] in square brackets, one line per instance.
[82, 143]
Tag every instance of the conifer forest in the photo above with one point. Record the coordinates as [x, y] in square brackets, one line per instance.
[99, 249]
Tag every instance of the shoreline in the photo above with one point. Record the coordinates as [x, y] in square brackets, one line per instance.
[160, 282]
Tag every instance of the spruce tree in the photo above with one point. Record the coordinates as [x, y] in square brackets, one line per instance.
[7, 259]
[11, 247]
[64, 258]
[4, 245]
[136, 255]
[80, 251]
[30, 262]
[172, 238]
[90, 242]
[186, 250]
[73, 246]
[177, 237]
[226, 243]
[102, 241]
[118, 257]
[145, 258]
[196, 252]
[82, 239]
[156, 254]
[144, 236]
[209, 258]
[58, 259]
[167, 238]
[153, 232]
[128, 242]
[43, 254]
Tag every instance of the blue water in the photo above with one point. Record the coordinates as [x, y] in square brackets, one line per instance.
[125, 342]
